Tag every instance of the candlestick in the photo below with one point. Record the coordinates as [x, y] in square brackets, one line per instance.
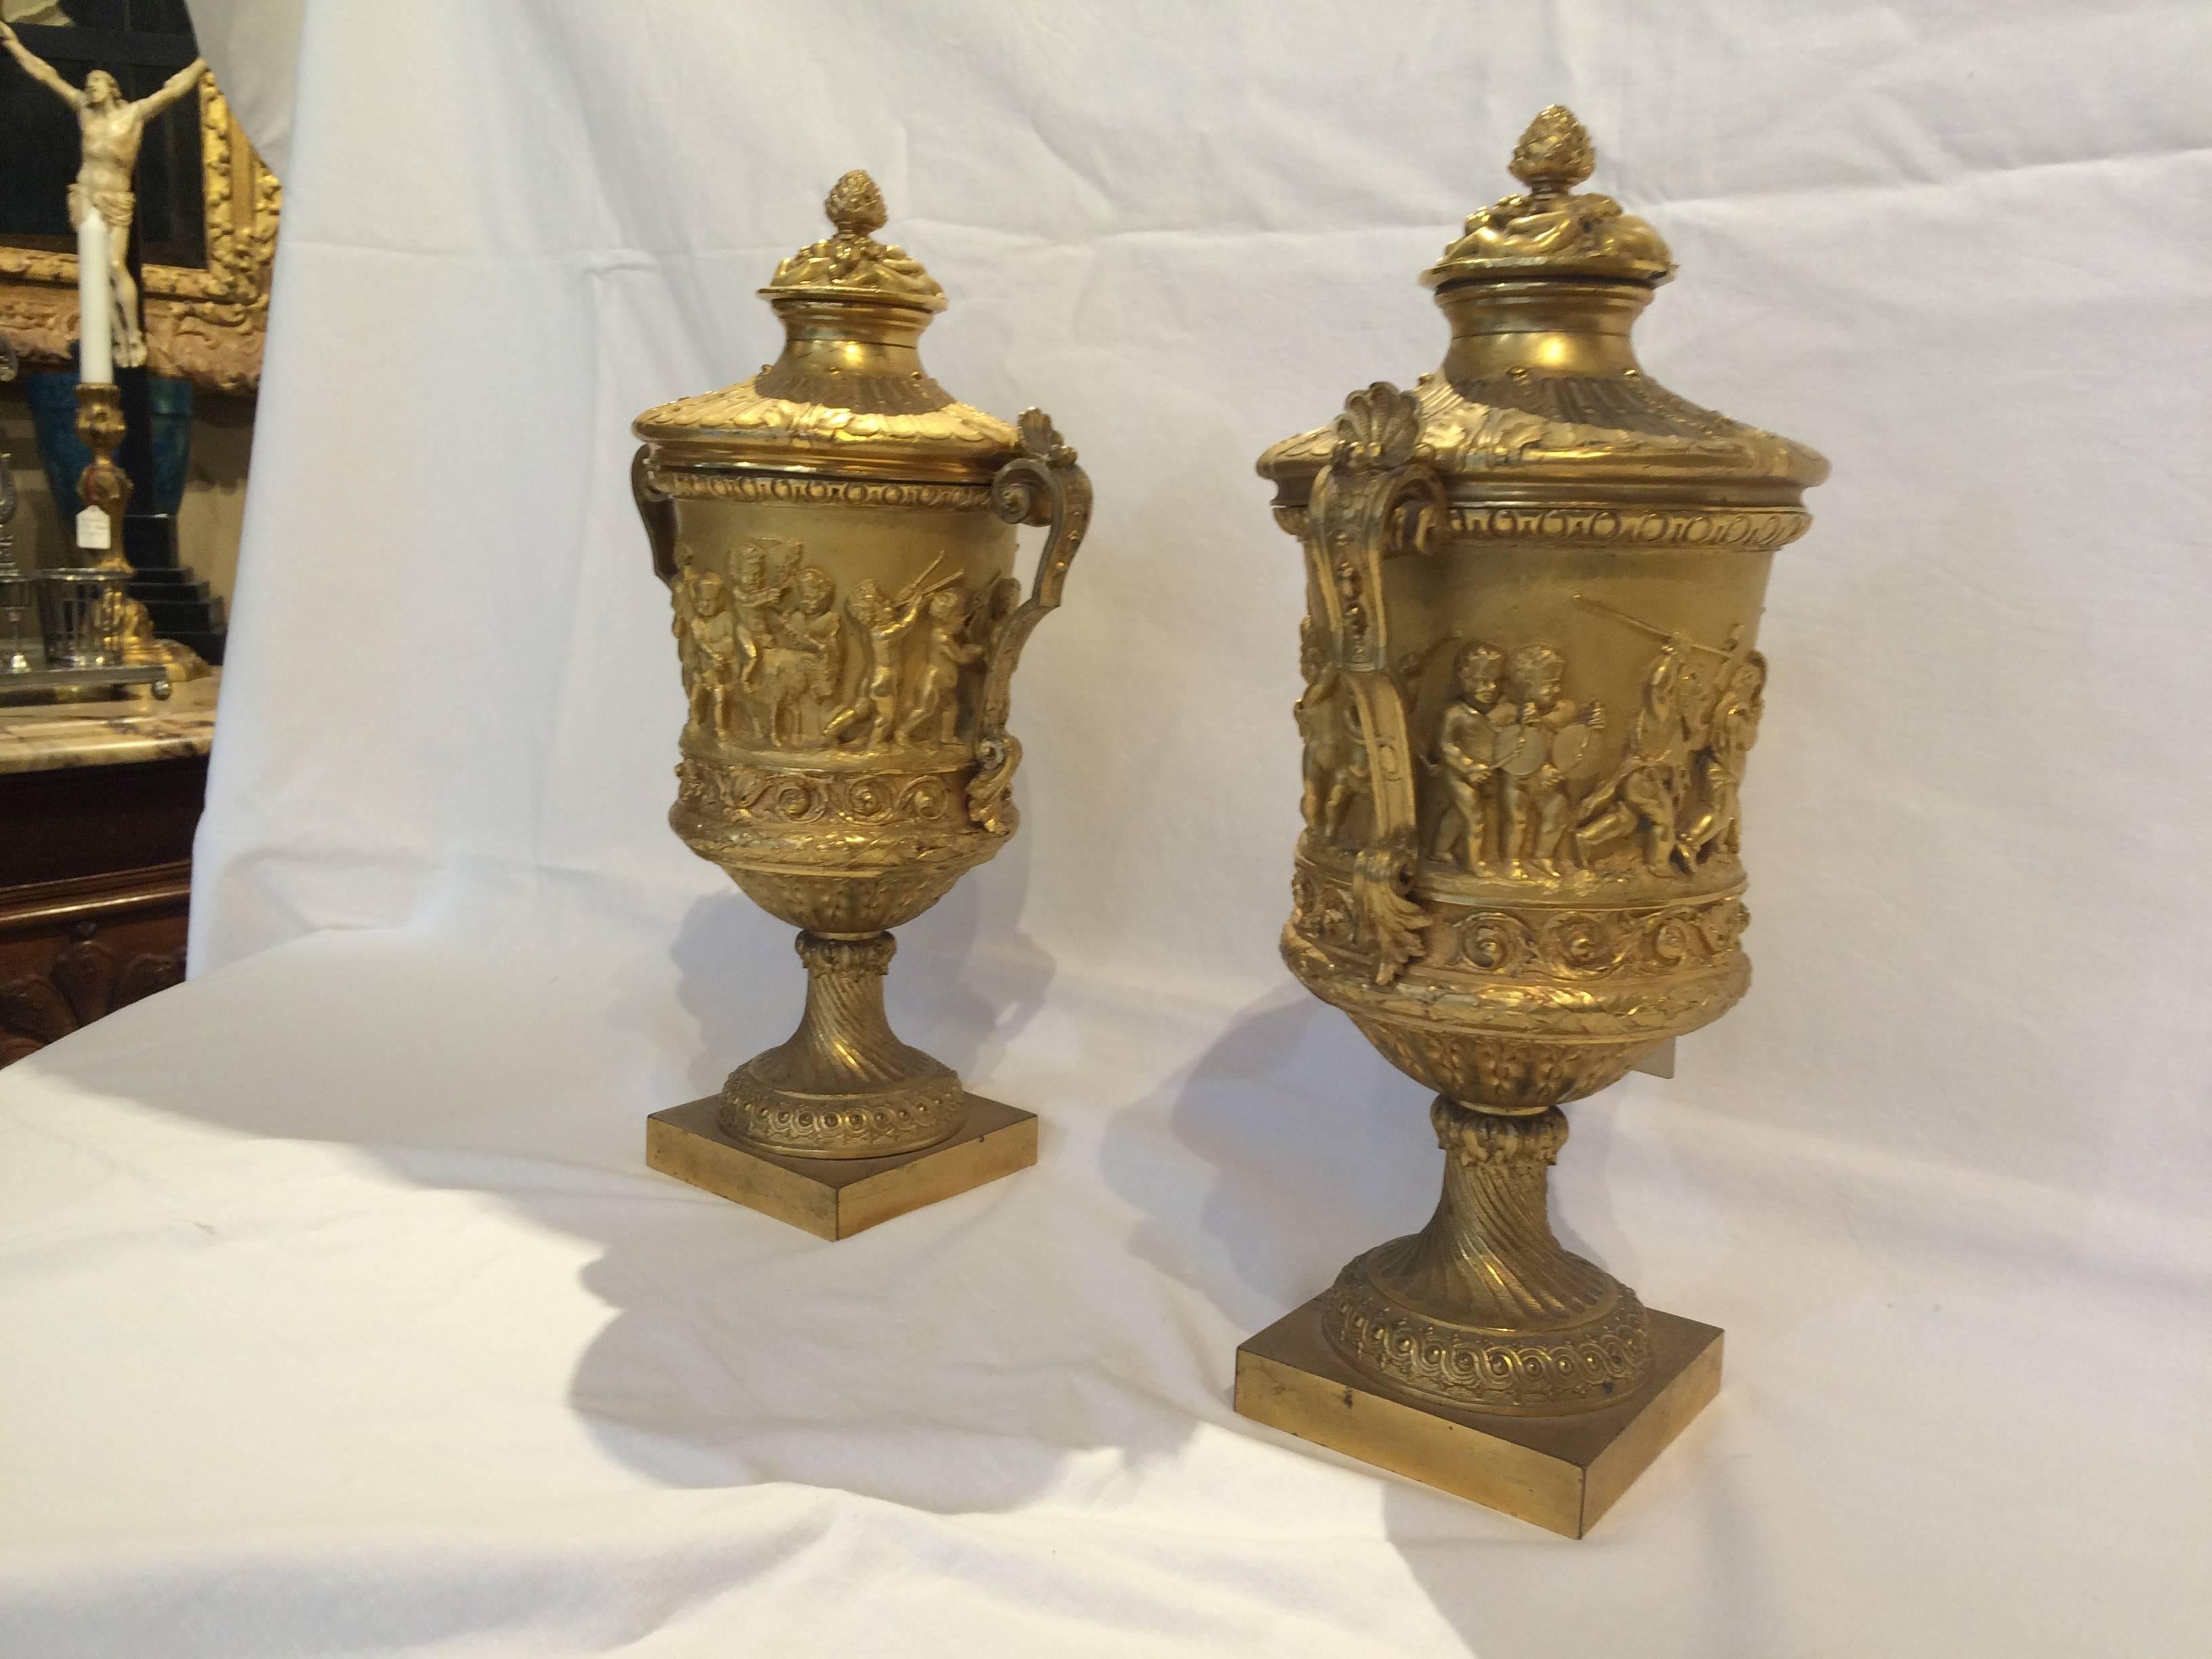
[94, 304]
[105, 624]
[103, 487]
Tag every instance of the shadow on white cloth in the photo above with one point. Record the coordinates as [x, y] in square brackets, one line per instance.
[330, 1196]
[367, 1214]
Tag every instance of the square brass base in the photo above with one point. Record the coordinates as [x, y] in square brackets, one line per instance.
[1559, 1472]
[837, 1197]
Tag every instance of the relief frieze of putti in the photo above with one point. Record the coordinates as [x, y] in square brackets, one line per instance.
[775, 659]
[1529, 782]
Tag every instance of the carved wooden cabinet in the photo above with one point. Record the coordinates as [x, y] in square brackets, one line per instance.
[97, 814]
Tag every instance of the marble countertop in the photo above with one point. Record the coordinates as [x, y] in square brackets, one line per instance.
[42, 737]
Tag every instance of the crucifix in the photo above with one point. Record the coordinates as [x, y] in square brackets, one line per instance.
[111, 128]
[113, 397]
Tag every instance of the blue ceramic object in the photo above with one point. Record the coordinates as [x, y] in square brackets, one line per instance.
[53, 397]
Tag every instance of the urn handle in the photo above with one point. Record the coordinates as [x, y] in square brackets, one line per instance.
[657, 509]
[1043, 485]
[1379, 497]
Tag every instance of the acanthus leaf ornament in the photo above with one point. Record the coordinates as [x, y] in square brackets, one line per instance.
[1382, 889]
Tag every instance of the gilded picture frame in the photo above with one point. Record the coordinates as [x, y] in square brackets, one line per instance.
[204, 323]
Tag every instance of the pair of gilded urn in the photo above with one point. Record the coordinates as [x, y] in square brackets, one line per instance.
[1531, 684]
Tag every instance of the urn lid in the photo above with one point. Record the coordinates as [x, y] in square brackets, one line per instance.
[1540, 397]
[1550, 230]
[853, 265]
[849, 396]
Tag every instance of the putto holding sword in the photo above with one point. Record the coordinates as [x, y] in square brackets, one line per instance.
[1676, 788]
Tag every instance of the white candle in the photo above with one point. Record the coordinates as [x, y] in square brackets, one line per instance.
[95, 309]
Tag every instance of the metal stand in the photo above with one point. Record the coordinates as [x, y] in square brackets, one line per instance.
[64, 680]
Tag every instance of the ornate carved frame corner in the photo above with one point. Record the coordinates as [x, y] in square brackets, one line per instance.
[204, 323]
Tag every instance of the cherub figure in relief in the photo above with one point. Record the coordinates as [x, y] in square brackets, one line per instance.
[884, 624]
[704, 625]
[1545, 740]
[1467, 757]
[803, 666]
[1644, 795]
[1336, 759]
[764, 580]
[932, 712]
[1729, 732]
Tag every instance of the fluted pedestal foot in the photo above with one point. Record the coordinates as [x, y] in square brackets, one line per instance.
[841, 1125]
[1484, 1308]
[1482, 1322]
[842, 1086]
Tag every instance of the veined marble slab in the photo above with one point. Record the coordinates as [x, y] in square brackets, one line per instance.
[41, 736]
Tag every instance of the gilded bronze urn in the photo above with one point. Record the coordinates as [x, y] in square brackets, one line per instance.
[838, 536]
[1532, 684]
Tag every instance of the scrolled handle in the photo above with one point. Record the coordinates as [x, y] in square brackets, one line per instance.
[657, 510]
[1379, 497]
[1042, 485]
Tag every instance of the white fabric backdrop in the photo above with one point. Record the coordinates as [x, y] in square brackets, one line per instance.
[347, 1318]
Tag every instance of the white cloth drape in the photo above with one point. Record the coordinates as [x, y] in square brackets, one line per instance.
[253, 47]
[342, 1315]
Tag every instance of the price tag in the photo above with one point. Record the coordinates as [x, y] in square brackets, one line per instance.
[94, 530]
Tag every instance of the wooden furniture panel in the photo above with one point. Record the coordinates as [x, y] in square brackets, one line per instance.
[95, 877]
